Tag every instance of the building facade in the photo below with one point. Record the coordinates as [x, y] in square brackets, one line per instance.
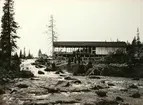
[86, 50]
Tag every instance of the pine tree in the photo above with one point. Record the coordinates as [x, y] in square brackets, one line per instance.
[8, 33]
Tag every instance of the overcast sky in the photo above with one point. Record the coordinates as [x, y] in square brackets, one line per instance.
[76, 20]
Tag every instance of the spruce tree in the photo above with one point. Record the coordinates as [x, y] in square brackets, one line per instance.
[24, 54]
[39, 53]
[20, 54]
[134, 42]
[29, 55]
[15, 56]
[8, 33]
[138, 38]
[138, 44]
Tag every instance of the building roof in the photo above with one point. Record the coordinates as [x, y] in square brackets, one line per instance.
[88, 44]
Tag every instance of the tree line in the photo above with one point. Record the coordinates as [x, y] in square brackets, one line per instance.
[23, 55]
[134, 52]
[9, 59]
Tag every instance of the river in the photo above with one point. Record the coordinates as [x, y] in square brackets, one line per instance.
[66, 89]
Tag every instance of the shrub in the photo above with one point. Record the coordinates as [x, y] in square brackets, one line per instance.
[117, 57]
[89, 65]
[41, 61]
[80, 70]
[25, 74]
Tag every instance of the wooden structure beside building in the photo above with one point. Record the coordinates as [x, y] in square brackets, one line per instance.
[86, 50]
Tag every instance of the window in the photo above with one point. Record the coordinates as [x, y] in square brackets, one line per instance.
[93, 52]
[93, 48]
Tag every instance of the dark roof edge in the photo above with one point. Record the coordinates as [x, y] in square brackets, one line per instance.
[89, 43]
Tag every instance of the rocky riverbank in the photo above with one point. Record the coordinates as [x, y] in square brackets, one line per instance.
[74, 91]
[51, 88]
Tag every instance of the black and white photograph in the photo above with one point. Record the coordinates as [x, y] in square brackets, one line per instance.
[71, 52]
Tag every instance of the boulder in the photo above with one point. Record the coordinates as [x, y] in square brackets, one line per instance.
[94, 77]
[33, 63]
[60, 82]
[22, 86]
[2, 91]
[66, 102]
[67, 84]
[126, 104]
[38, 66]
[124, 90]
[133, 86]
[13, 91]
[48, 69]
[80, 90]
[107, 102]
[70, 78]
[111, 84]
[89, 103]
[34, 78]
[136, 95]
[77, 82]
[119, 99]
[63, 84]
[62, 75]
[53, 90]
[136, 78]
[26, 74]
[59, 72]
[101, 93]
[41, 72]
[97, 87]
[103, 81]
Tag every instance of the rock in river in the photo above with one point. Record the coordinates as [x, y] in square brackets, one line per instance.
[94, 77]
[136, 95]
[101, 93]
[41, 72]
[53, 90]
[136, 78]
[107, 102]
[22, 86]
[133, 86]
[110, 84]
[70, 78]
[26, 74]
[77, 82]
[119, 99]
[2, 91]
[97, 87]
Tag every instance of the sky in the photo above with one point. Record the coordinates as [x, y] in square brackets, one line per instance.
[76, 20]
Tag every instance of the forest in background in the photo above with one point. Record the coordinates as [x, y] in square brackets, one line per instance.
[10, 61]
